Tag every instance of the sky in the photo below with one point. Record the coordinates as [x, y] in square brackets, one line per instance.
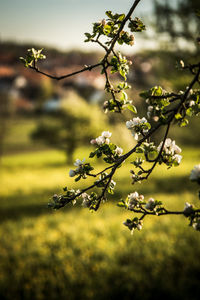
[59, 23]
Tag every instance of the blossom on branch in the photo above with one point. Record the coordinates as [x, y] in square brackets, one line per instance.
[195, 173]
[134, 200]
[170, 152]
[102, 139]
[138, 126]
[150, 204]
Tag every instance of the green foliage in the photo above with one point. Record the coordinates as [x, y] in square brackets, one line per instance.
[136, 25]
[120, 64]
[32, 57]
[110, 27]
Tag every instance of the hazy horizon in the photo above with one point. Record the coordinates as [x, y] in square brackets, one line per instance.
[60, 24]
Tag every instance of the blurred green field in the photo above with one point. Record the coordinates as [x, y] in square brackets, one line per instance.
[75, 254]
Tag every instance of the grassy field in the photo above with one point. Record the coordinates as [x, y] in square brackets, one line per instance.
[75, 254]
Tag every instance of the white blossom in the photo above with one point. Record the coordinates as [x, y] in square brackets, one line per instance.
[192, 103]
[100, 140]
[139, 226]
[143, 120]
[170, 147]
[106, 134]
[93, 142]
[72, 173]
[134, 199]
[187, 205]
[107, 141]
[195, 173]
[155, 118]
[133, 196]
[79, 162]
[177, 158]
[119, 151]
[135, 135]
[130, 124]
[86, 200]
[112, 183]
[134, 124]
[150, 108]
[148, 115]
[196, 225]
[150, 204]
[147, 101]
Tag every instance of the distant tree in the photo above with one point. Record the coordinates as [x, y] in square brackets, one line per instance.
[71, 126]
[179, 19]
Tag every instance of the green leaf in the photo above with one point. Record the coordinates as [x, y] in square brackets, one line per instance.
[189, 112]
[109, 14]
[184, 123]
[110, 191]
[124, 96]
[92, 154]
[132, 108]
[78, 178]
[122, 73]
[136, 25]
[121, 204]
[121, 17]
[178, 116]
[157, 91]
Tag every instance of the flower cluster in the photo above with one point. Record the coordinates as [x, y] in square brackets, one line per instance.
[102, 139]
[86, 200]
[105, 147]
[89, 201]
[196, 224]
[170, 153]
[133, 224]
[109, 27]
[195, 174]
[59, 201]
[134, 200]
[157, 100]
[138, 126]
[32, 57]
[79, 164]
[193, 215]
[82, 170]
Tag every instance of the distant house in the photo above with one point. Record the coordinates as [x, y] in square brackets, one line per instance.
[7, 77]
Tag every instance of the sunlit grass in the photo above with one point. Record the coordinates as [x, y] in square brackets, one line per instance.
[75, 254]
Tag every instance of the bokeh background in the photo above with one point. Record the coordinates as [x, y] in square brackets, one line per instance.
[45, 125]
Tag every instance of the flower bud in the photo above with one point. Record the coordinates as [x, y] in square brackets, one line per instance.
[107, 141]
[93, 141]
[156, 118]
[119, 151]
[103, 22]
[72, 173]
[188, 209]
[106, 134]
